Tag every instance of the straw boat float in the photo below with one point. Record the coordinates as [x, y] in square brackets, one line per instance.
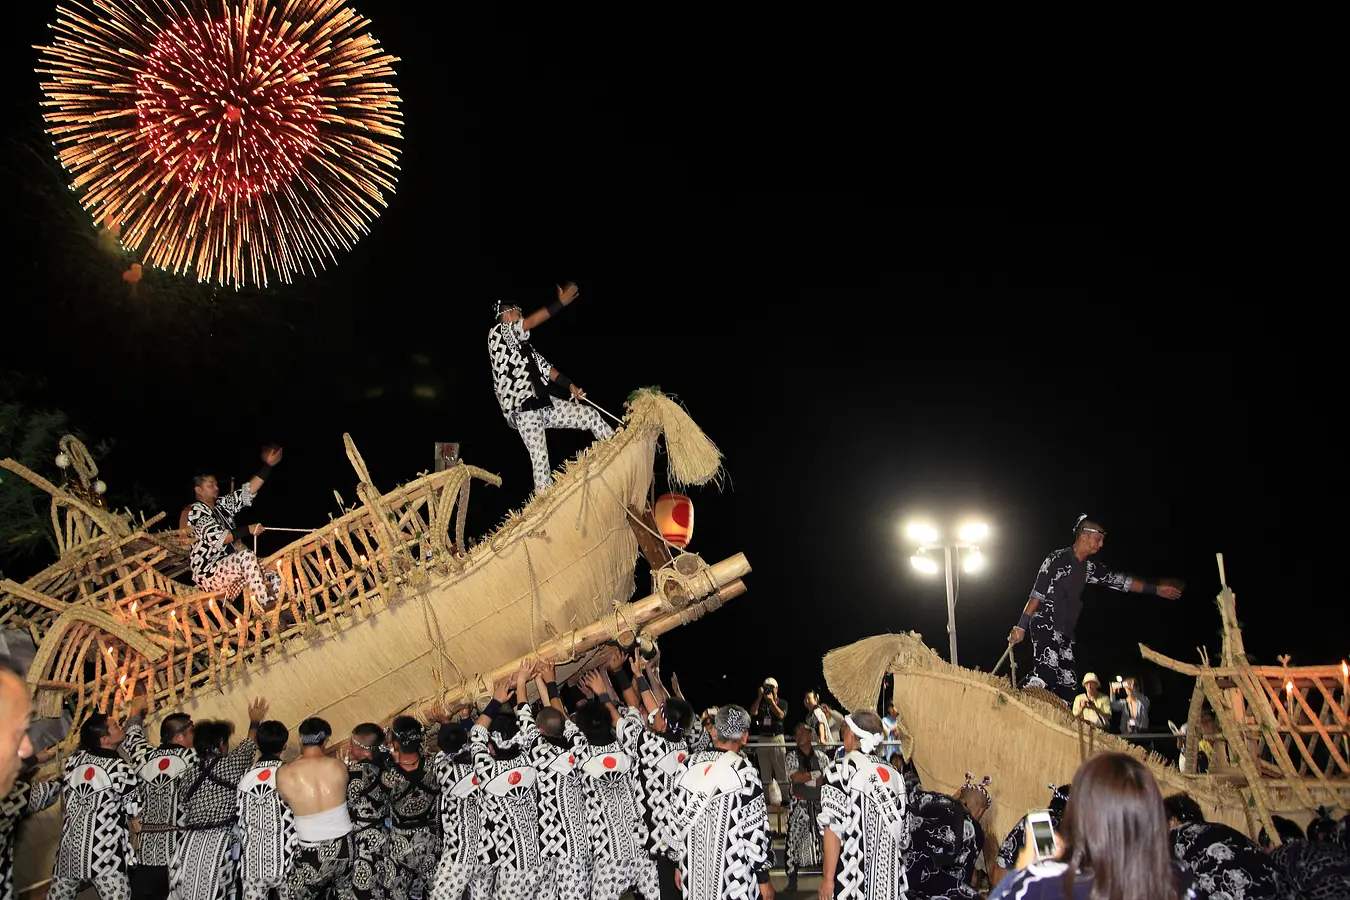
[1280, 746]
[384, 611]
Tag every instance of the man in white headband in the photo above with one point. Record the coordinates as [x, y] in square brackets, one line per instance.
[862, 809]
[718, 828]
[315, 788]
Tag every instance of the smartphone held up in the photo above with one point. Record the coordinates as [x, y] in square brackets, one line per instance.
[1040, 834]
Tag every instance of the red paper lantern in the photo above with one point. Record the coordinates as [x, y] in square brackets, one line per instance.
[675, 518]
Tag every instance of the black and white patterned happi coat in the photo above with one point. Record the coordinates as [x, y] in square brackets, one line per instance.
[23, 799]
[562, 800]
[209, 526]
[863, 802]
[944, 841]
[1226, 864]
[519, 372]
[804, 850]
[99, 790]
[662, 761]
[158, 769]
[368, 805]
[614, 815]
[203, 867]
[415, 836]
[1052, 630]
[718, 827]
[1313, 870]
[266, 827]
[508, 804]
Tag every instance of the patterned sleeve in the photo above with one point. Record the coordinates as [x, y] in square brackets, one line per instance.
[1100, 574]
[1044, 577]
[754, 825]
[230, 504]
[836, 811]
[529, 732]
[676, 824]
[237, 761]
[1010, 848]
[135, 743]
[128, 786]
[794, 760]
[573, 734]
[482, 757]
[544, 367]
[205, 528]
[629, 729]
[43, 794]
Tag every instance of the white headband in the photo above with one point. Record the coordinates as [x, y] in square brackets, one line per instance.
[866, 739]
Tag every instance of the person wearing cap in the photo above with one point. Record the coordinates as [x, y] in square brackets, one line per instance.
[863, 814]
[1092, 706]
[718, 827]
[769, 712]
[521, 377]
[1051, 614]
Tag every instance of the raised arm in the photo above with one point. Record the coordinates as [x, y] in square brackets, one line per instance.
[271, 456]
[566, 294]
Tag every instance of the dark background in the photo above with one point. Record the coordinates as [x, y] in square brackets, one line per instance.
[1014, 267]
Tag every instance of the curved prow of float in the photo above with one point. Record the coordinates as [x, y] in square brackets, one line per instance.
[955, 720]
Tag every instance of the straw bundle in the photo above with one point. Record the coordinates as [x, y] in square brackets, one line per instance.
[960, 721]
[691, 458]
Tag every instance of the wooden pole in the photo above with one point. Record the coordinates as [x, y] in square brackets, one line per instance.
[638, 615]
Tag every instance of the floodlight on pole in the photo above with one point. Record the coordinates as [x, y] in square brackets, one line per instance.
[974, 559]
[926, 536]
[973, 532]
[925, 564]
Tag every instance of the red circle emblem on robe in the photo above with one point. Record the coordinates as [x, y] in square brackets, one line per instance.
[680, 758]
[89, 774]
[513, 778]
[264, 774]
[610, 762]
[164, 764]
[885, 775]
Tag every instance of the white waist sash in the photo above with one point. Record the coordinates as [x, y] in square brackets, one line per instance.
[324, 826]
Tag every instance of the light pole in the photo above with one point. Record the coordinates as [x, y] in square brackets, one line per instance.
[928, 539]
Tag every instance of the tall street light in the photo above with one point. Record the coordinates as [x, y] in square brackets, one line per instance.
[928, 539]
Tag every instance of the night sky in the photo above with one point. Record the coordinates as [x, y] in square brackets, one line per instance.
[1013, 269]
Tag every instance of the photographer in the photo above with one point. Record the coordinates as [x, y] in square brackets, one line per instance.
[768, 713]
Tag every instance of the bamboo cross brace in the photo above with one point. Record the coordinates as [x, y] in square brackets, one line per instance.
[1297, 738]
[1246, 683]
[1237, 744]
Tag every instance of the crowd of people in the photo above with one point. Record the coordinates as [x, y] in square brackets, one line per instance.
[605, 785]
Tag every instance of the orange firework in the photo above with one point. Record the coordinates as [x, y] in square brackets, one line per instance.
[239, 139]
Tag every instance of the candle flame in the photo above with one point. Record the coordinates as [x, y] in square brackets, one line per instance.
[133, 605]
[173, 613]
[210, 601]
[236, 620]
[1289, 687]
[110, 651]
[122, 680]
[1345, 670]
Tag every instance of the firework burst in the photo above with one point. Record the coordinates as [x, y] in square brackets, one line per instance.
[236, 139]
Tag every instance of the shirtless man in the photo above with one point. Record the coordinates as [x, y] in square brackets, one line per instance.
[315, 788]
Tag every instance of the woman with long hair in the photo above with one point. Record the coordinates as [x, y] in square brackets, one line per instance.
[1113, 842]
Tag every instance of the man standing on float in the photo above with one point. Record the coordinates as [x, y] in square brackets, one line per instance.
[1051, 614]
[521, 378]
